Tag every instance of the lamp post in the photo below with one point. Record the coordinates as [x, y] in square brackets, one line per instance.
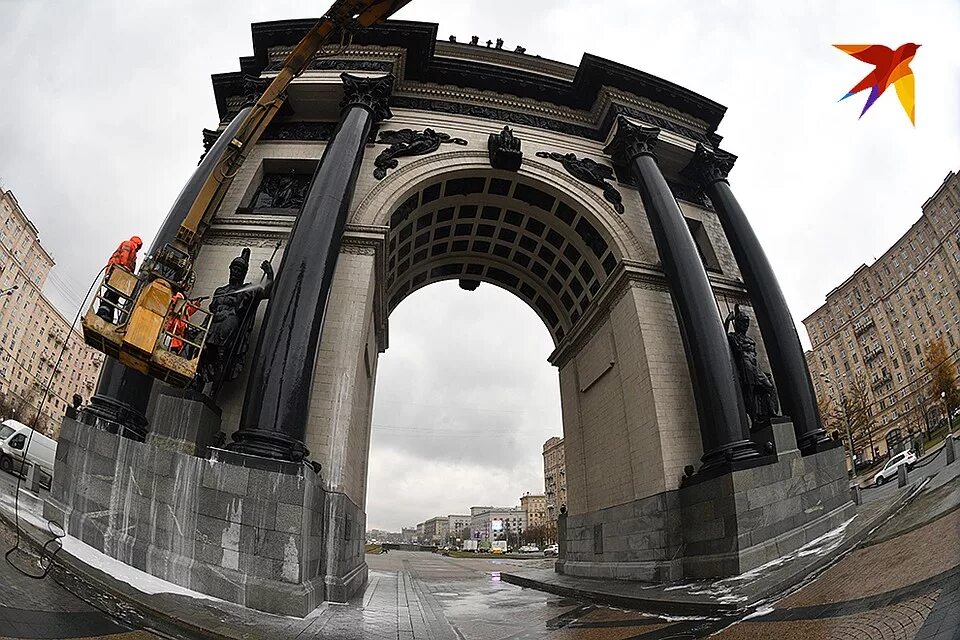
[946, 408]
[846, 419]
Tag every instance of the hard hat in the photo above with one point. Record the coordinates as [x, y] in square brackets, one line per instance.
[178, 296]
[137, 241]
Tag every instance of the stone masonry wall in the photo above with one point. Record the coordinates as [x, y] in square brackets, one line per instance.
[251, 537]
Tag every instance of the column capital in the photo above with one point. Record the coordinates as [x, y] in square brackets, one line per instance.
[630, 141]
[373, 94]
[709, 165]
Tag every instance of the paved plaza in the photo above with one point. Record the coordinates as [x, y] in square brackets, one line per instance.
[902, 583]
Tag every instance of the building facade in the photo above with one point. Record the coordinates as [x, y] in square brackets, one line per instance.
[435, 530]
[33, 333]
[554, 477]
[457, 525]
[869, 336]
[498, 523]
[535, 506]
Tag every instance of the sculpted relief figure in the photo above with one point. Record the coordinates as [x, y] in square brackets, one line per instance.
[232, 310]
[759, 394]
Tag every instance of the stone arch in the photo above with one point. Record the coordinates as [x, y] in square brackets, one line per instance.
[535, 233]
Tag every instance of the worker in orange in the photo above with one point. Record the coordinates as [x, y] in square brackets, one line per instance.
[176, 326]
[126, 257]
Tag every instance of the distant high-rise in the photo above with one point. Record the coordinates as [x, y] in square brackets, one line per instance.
[554, 477]
[874, 326]
[33, 333]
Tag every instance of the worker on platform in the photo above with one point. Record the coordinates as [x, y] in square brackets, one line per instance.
[176, 326]
[126, 257]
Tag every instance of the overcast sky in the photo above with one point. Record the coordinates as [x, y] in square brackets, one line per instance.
[104, 103]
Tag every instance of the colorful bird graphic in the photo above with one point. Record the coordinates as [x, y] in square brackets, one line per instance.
[890, 67]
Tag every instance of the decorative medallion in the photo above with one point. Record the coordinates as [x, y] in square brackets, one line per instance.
[504, 150]
[589, 171]
[407, 142]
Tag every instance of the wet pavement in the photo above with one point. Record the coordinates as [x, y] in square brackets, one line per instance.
[46, 608]
[902, 583]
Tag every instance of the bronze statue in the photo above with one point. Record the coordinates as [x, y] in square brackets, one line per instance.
[759, 394]
[232, 310]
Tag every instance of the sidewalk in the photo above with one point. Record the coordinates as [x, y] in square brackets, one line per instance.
[728, 595]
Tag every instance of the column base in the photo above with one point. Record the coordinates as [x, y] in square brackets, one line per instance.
[268, 444]
[113, 416]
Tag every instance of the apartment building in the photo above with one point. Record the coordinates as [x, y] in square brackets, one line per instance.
[554, 477]
[874, 326]
[37, 347]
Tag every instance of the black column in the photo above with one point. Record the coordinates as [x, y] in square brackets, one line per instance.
[723, 421]
[120, 402]
[277, 401]
[789, 368]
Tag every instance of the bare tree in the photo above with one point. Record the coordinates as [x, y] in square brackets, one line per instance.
[860, 412]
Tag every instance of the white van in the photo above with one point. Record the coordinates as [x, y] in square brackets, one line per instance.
[13, 438]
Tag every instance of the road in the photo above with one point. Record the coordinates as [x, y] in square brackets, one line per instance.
[930, 467]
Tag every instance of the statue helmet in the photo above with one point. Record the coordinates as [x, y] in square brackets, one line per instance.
[242, 261]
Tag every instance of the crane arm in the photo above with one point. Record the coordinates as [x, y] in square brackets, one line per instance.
[346, 15]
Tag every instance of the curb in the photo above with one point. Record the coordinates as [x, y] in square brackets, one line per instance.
[676, 607]
[667, 607]
[103, 581]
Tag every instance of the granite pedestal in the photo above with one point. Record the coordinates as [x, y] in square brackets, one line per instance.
[183, 420]
[254, 537]
[721, 526]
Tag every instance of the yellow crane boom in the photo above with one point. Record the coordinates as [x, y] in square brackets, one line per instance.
[133, 317]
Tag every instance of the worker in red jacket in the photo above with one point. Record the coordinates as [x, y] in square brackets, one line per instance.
[180, 313]
[125, 257]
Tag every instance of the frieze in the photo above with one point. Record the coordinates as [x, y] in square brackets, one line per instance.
[588, 171]
[408, 142]
[301, 131]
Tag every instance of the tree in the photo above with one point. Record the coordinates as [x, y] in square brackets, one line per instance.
[860, 412]
[941, 372]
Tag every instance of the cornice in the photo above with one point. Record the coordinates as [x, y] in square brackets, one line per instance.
[497, 72]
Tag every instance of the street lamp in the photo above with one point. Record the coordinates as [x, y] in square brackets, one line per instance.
[946, 408]
[846, 419]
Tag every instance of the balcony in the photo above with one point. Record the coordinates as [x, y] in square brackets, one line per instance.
[863, 326]
[880, 381]
[872, 355]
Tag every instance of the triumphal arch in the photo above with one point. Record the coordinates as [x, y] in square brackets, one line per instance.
[598, 194]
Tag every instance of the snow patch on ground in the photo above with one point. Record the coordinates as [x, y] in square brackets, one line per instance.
[759, 613]
[125, 573]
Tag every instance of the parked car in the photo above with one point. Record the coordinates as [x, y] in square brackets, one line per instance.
[42, 450]
[551, 550]
[889, 470]
[529, 548]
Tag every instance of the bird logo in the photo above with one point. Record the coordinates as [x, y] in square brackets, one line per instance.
[889, 67]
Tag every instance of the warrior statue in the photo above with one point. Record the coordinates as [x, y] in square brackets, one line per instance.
[232, 310]
[759, 394]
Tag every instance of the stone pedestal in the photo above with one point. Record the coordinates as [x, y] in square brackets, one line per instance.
[184, 421]
[720, 526]
[741, 520]
[254, 537]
